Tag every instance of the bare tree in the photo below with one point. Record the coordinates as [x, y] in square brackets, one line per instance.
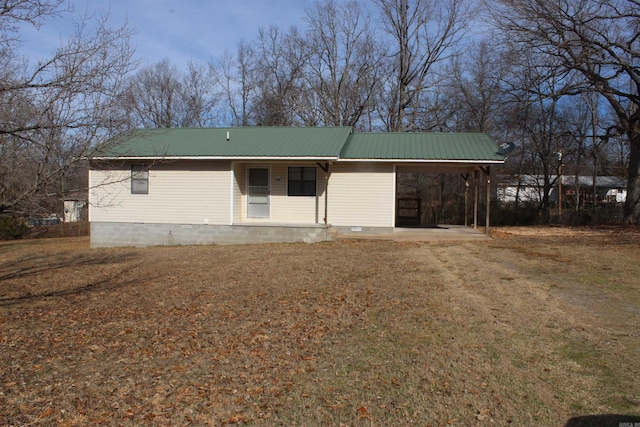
[474, 91]
[281, 61]
[162, 96]
[598, 40]
[56, 111]
[16, 12]
[199, 97]
[342, 66]
[538, 106]
[423, 33]
[236, 78]
[154, 96]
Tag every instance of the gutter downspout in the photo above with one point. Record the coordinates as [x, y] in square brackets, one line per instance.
[325, 168]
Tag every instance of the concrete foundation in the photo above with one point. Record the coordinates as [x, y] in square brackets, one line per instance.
[113, 234]
[359, 231]
[427, 234]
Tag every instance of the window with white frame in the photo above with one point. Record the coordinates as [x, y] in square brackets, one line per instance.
[139, 179]
[302, 181]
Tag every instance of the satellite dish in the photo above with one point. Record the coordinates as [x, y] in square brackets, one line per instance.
[506, 148]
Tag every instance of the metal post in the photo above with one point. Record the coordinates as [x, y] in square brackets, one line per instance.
[466, 200]
[488, 199]
[560, 192]
[326, 196]
[476, 183]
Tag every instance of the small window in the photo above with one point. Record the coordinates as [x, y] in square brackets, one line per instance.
[139, 179]
[302, 181]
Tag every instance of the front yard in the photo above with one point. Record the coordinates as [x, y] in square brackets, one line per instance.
[535, 327]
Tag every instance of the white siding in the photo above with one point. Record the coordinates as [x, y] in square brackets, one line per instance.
[179, 193]
[239, 192]
[283, 208]
[295, 209]
[362, 194]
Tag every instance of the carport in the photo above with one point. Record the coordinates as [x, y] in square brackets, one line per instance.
[408, 211]
[467, 155]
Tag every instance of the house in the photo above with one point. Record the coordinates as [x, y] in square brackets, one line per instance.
[75, 207]
[263, 184]
[575, 189]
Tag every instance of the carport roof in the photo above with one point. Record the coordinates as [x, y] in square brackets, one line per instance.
[318, 143]
[421, 146]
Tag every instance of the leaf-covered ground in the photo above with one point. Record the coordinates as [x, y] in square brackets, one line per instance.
[530, 328]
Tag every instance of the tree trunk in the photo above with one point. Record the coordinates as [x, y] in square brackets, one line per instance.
[632, 204]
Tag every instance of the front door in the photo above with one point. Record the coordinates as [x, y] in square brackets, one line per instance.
[258, 193]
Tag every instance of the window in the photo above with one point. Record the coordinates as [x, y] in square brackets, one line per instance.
[139, 179]
[302, 181]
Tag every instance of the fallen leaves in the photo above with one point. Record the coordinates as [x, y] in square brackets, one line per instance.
[47, 413]
[483, 414]
[236, 335]
[238, 418]
[363, 412]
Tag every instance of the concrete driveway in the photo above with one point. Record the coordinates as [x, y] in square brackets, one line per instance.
[439, 233]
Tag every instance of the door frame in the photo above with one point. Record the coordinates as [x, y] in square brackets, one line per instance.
[268, 168]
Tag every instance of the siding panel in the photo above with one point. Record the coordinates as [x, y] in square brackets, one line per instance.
[362, 194]
[239, 192]
[179, 193]
[295, 209]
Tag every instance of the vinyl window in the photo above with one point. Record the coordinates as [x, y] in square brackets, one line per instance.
[139, 179]
[302, 181]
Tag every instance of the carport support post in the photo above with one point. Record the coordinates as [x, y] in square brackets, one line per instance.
[487, 171]
[466, 198]
[476, 183]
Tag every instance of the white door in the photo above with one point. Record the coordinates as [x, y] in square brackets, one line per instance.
[258, 193]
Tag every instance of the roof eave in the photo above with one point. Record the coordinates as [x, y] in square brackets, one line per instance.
[308, 158]
[474, 161]
[297, 158]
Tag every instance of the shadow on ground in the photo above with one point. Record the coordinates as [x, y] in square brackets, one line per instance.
[78, 284]
[604, 420]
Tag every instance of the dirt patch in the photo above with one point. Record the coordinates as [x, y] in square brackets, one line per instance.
[503, 331]
[616, 232]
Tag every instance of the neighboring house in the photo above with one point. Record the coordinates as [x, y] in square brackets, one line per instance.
[75, 207]
[262, 184]
[530, 188]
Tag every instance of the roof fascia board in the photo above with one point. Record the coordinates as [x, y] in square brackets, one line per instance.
[236, 158]
[335, 159]
[484, 162]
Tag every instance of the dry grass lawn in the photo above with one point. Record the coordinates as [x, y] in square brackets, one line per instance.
[535, 327]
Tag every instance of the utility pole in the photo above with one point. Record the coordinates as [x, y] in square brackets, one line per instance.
[560, 186]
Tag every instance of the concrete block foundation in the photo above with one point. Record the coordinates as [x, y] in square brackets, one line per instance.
[114, 234]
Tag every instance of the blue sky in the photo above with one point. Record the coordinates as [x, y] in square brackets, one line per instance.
[176, 29]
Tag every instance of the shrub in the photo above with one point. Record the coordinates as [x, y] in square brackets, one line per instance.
[509, 214]
[12, 227]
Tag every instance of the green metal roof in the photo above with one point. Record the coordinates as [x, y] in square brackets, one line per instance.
[421, 146]
[255, 142]
[339, 143]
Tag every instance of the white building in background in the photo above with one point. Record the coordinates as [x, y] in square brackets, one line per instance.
[530, 188]
[75, 209]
